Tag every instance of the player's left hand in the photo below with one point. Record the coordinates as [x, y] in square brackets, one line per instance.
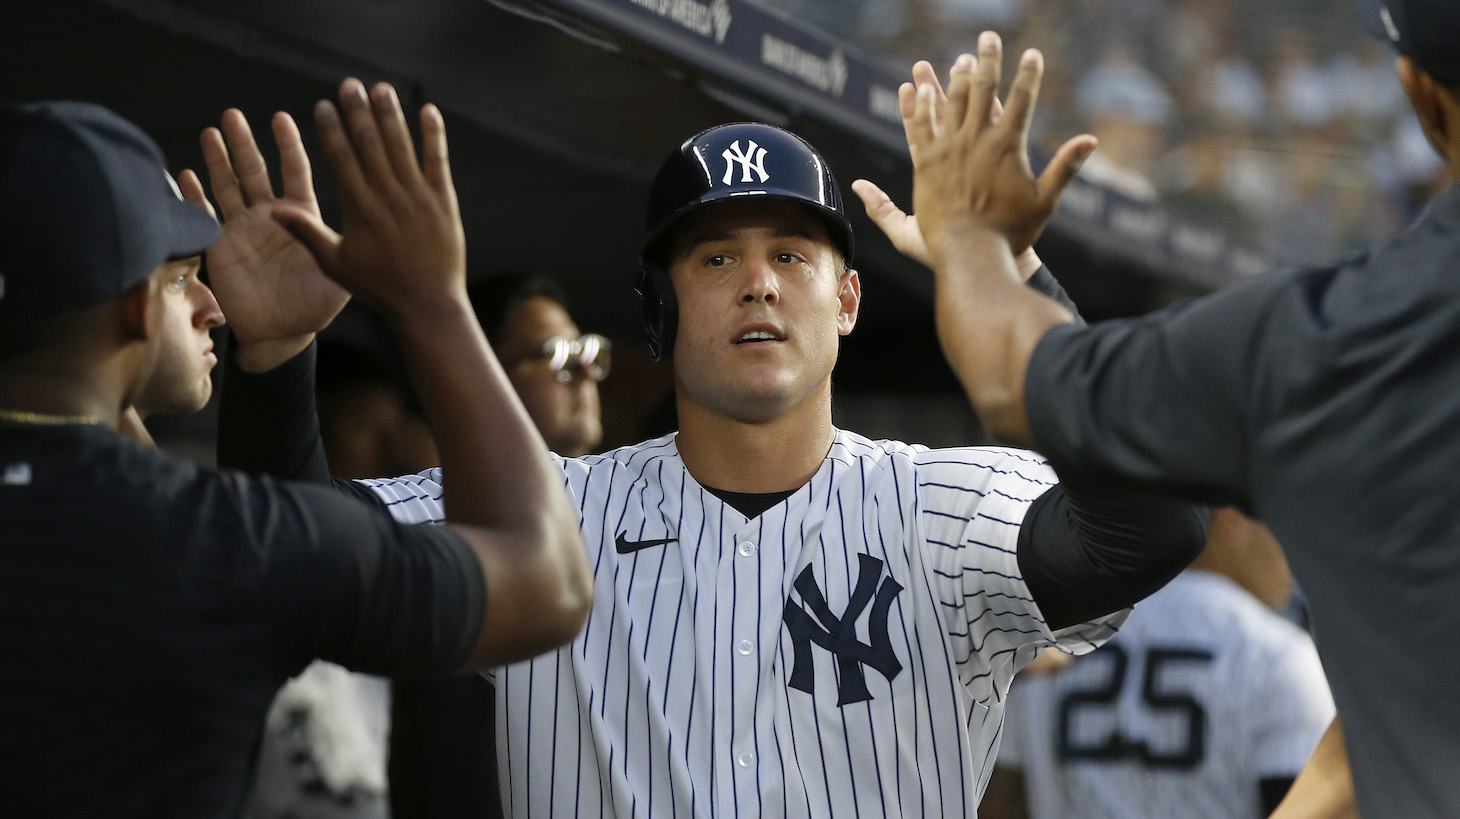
[272, 291]
[902, 227]
[971, 163]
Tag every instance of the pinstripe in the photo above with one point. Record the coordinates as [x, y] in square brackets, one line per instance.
[816, 714]
[506, 719]
[664, 705]
[841, 515]
[552, 768]
[695, 666]
[871, 720]
[759, 606]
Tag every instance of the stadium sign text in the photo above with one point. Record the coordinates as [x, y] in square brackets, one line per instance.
[704, 19]
[827, 74]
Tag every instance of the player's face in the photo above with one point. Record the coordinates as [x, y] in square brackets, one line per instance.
[183, 311]
[763, 300]
[565, 412]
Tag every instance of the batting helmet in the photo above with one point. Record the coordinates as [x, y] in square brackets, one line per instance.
[734, 161]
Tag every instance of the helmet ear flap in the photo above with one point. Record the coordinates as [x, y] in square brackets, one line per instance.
[661, 311]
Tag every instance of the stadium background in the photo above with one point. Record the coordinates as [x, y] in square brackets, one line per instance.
[1237, 137]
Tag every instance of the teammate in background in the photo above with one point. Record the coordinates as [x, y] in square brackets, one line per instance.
[1322, 401]
[554, 367]
[443, 733]
[790, 619]
[1205, 705]
[150, 608]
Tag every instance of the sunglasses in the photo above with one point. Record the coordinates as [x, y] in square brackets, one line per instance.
[588, 353]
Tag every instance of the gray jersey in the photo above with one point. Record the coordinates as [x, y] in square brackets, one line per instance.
[1203, 694]
[845, 653]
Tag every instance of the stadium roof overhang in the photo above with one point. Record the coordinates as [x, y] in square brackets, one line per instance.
[559, 112]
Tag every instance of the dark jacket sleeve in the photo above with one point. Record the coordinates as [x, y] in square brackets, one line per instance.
[348, 584]
[1087, 550]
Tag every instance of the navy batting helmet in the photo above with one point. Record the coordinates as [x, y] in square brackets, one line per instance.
[734, 161]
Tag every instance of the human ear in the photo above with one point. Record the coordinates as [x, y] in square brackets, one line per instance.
[849, 293]
[137, 309]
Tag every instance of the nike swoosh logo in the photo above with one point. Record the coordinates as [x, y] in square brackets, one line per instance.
[626, 546]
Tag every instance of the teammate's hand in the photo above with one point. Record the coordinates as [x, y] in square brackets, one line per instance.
[268, 284]
[403, 244]
[901, 227]
[971, 162]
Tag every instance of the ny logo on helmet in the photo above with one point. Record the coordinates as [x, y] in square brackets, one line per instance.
[838, 635]
[752, 159]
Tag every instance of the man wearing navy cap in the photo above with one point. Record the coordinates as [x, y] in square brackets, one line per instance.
[1324, 401]
[149, 608]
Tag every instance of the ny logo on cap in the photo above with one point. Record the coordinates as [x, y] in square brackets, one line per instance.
[838, 635]
[752, 159]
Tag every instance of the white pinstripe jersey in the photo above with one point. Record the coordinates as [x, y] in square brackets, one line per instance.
[1204, 693]
[845, 653]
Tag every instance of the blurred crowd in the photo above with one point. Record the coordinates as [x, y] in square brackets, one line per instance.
[1269, 119]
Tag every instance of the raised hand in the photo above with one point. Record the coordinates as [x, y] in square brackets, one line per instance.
[269, 285]
[971, 163]
[901, 227]
[403, 240]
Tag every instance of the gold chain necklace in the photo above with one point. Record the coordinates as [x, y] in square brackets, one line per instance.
[46, 419]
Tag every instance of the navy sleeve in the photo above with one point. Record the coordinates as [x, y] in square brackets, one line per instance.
[267, 423]
[1087, 551]
[1043, 281]
[346, 583]
[1162, 401]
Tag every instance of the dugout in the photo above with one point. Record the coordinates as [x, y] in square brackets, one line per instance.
[559, 112]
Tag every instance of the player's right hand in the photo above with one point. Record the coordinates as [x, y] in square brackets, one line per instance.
[403, 244]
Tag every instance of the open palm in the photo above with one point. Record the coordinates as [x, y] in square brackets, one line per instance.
[268, 283]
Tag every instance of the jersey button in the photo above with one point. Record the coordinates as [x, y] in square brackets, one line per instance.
[745, 647]
[745, 760]
[747, 549]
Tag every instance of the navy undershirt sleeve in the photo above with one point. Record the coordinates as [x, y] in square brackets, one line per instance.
[267, 424]
[1086, 552]
[1043, 281]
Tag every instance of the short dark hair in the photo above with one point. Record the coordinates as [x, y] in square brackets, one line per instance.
[495, 296]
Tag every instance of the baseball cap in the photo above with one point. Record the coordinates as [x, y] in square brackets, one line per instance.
[86, 207]
[1426, 31]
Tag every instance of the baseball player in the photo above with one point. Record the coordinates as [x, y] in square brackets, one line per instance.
[1205, 705]
[150, 608]
[790, 619]
[1321, 400]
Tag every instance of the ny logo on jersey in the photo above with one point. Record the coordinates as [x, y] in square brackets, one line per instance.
[838, 634]
[751, 159]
